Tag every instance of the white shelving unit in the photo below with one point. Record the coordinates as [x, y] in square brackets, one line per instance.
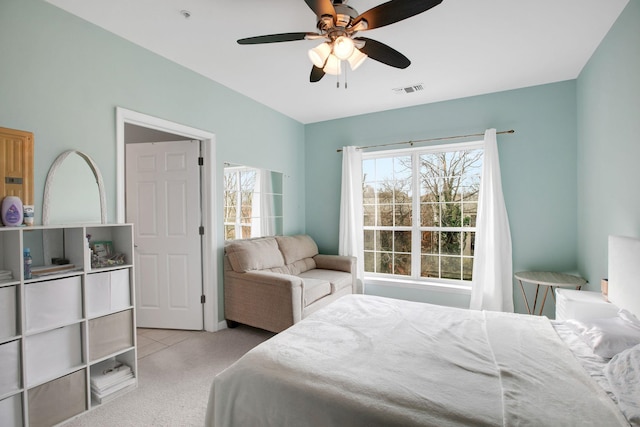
[59, 330]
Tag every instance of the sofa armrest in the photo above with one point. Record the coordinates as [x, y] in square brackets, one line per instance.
[336, 262]
[271, 301]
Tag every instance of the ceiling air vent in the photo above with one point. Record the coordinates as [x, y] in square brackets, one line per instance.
[409, 89]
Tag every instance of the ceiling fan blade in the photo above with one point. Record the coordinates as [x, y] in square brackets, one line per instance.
[394, 11]
[322, 7]
[276, 38]
[317, 73]
[383, 53]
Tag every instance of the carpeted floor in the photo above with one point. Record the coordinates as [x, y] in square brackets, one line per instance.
[174, 382]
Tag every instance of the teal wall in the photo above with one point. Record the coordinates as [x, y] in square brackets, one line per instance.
[62, 79]
[608, 91]
[571, 161]
[538, 164]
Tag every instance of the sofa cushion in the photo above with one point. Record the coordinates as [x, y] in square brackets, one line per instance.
[338, 279]
[295, 248]
[254, 254]
[315, 289]
[301, 266]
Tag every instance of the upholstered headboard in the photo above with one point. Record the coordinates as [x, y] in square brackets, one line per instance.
[624, 273]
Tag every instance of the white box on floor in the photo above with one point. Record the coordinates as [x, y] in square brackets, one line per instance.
[582, 305]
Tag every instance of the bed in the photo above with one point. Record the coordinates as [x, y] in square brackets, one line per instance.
[373, 361]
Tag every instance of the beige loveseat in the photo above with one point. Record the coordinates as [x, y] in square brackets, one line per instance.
[273, 282]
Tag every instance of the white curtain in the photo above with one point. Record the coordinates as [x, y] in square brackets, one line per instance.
[256, 206]
[262, 210]
[267, 214]
[492, 267]
[351, 240]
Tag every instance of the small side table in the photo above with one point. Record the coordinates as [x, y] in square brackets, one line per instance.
[549, 280]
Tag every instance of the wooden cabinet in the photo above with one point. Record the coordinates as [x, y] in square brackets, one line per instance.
[61, 330]
[16, 164]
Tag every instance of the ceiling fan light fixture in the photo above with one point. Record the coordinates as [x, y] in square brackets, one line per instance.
[333, 65]
[319, 54]
[343, 47]
[356, 59]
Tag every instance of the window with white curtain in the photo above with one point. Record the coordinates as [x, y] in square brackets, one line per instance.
[420, 207]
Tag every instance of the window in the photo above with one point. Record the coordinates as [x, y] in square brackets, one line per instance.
[420, 208]
[239, 184]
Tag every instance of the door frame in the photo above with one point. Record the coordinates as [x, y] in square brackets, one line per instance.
[209, 264]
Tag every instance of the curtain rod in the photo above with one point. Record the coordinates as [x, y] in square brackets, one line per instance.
[339, 150]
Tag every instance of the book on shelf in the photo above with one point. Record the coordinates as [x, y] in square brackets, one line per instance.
[111, 381]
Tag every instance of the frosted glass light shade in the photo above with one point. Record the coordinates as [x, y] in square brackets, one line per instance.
[318, 55]
[332, 66]
[343, 48]
[356, 59]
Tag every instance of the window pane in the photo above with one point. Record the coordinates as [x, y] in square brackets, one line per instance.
[369, 262]
[229, 232]
[385, 215]
[369, 240]
[450, 243]
[402, 168]
[430, 244]
[467, 268]
[368, 194]
[368, 170]
[385, 262]
[468, 243]
[430, 215]
[246, 232]
[403, 241]
[384, 241]
[402, 264]
[403, 215]
[369, 218]
[230, 214]
[384, 169]
[469, 214]
[429, 267]
[451, 267]
[451, 215]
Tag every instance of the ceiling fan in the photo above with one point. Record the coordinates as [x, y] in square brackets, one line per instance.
[337, 25]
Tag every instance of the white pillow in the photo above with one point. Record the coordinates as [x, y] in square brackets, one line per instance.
[609, 336]
[623, 374]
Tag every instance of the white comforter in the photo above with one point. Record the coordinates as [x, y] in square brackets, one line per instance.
[371, 361]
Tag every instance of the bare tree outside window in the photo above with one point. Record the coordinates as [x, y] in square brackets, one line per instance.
[442, 218]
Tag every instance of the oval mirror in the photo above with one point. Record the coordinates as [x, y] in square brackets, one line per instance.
[74, 191]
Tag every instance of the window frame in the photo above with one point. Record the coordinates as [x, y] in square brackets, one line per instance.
[415, 280]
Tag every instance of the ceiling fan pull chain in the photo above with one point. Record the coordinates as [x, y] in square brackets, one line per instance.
[345, 77]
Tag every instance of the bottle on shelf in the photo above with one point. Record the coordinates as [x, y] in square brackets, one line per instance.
[27, 263]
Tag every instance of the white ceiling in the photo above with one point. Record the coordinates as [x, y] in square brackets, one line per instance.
[460, 48]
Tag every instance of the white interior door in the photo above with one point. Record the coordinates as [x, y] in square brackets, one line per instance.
[163, 201]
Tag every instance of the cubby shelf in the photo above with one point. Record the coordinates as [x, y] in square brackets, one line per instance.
[60, 330]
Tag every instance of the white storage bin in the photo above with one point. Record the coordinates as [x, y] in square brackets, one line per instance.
[53, 353]
[11, 411]
[9, 367]
[8, 312]
[54, 302]
[107, 292]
